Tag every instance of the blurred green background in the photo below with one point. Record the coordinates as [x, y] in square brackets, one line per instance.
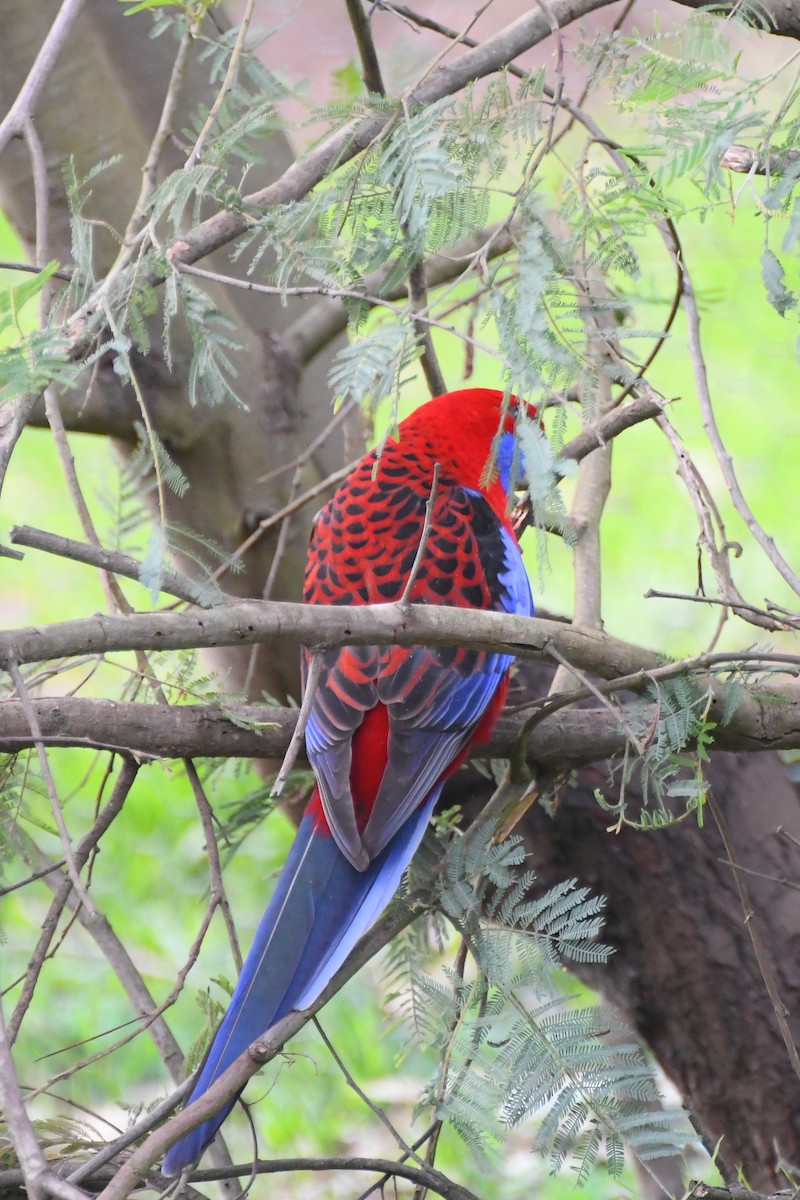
[153, 892]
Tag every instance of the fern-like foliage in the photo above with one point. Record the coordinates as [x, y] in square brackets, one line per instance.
[211, 372]
[374, 365]
[511, 1042]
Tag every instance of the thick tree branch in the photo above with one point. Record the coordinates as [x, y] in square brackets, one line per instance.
[319, 627]
[564, 737]
[314, 626]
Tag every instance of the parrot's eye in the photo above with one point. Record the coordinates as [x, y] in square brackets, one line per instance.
[516, 407]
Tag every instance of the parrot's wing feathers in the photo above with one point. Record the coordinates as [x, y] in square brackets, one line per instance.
[436, 697]
[346, 690]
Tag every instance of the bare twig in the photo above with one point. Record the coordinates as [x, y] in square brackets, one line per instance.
[319, 325]
[27, 99]
[418, 300]
[230, 76]
[389, 1168]
[40, 1181]
[62, 888]
[324, 487]
[268, 289]
[160, 137]
[724, 459]
[34, 875]
[713, 538]
[405, 599]
[374, 1108]
[344, 410]
[41, 200]
[370, 67]
[114, 597]
[130, 978]
[309, 691]
[776, 621]
[600, 695]
[379, 1184]
[146, 1020]
[55, 804]
[173, 583]
[29, 1152]
[217, 894]
[32, 269]
[146, 1123]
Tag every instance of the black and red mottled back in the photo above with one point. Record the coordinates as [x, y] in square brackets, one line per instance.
[363, 548]
[366, 538]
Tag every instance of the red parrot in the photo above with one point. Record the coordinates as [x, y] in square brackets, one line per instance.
[387, 724]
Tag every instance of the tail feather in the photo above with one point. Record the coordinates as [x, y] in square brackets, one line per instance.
[321, 907]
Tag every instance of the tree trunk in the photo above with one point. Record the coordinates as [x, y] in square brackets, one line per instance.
[684, 972]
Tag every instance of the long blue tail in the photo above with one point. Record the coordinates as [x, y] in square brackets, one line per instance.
[321, 907]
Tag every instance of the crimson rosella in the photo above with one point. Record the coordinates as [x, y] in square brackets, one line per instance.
[387, 725]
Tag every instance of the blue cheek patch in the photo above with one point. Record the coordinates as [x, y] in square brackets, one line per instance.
[509, 470]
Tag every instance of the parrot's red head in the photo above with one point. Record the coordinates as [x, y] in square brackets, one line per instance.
[470, 433]
[473, 408]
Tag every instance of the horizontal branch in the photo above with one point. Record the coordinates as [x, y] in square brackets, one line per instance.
[318, 627]
[12, 1179]
[745, 160]
[567, 737]
[170, 581]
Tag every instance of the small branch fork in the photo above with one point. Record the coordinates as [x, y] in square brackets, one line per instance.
[55, 804]
[27, 99]
[712, 430]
